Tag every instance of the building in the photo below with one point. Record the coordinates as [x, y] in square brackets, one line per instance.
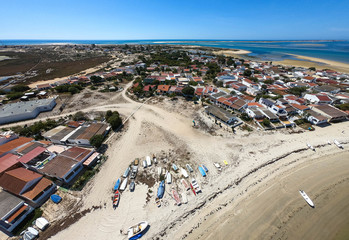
[12, 146]
[315, 118]
[13, 211]
[222, 115]
[318, 98]
[19, 111]
[7, 136]
[333, 114]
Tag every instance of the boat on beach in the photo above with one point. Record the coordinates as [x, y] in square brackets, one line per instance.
[184, 173]
[137, 231]
[148, 161]
[310, 147]
[55, 198]
[117, 184]
[116, 198]
[192, 188]
[204, 167]
[217, 166]
[158, 202]
[195, 185]
[176, 197]
[161, 189]
[132, 186]
[174, 166]
[168, 178]
[190, 169]
[159, 171]
[338, 144]
[184, 198]
[306, 198]
[127, 171]
[123, 185]
[185, 184]
[202, 171]
[144, 163]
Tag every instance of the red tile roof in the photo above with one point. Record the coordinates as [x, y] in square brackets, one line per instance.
[14, 144]
[164, 88]
[8, 161]
[32, 154]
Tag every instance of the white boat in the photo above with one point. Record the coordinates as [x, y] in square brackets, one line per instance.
[184, 173]
[155, 160]
[306, 198]
[184, 198]
[159, 171]
[148, 161]
[168, 178]
[126, 172]
[30, 233]
[337, 144]
[217, 166]
[195, 185]
[145, 163]
[329, 142]
[136, 231]
[123, 185]
[310, 147]
[41, 223]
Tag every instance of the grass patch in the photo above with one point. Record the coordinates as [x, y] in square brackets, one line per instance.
[28, 221]
[83, 179]
[246, 128]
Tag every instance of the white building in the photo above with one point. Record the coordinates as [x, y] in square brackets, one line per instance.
[20, 111]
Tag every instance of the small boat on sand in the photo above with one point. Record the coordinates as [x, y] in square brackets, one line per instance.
[137, 231]
[204, 167]
[148, 161]
[55, 198]
[132, 186]
[310, 147]
[116, 198]
[168, 178]
[225, 162]
[127, 171]
[190, 169]
[184, 173]
[123, 185]
[184, 198]
[117, 184]
[174, 166]
[195, 185]
[193, 189]
[145, 163]
[202, 171]
[176, 197]
[158, 202]
[338, 144]
[161, 189]
[306, 198]
[217, 166]
[185, 184]
[159, 171]
[155, 160]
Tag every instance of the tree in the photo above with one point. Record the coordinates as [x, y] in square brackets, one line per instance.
[20, 88]
[188, 91]
[219, 84]
[266, 122]
[247, 73]
[73, 90]
[108, 114]
[193, 83]
[97, 140]
[79, 116]
[95, 79]
[15, 95]
[297, 90]
[115, 121]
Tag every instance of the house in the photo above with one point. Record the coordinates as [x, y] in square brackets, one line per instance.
[81, 136]
[8, 162]
[43, 86]
[309, 79]
[13, 211]
[221, 115]
[11, 146]
[315, 118]
[327, 89]
[271, 116]
[253, 112]
[29, 185]
[318, 98]
[333, 114]
[301, 109]
[7, 136]
[163, 89]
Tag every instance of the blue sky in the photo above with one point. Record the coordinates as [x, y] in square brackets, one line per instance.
[174, 19]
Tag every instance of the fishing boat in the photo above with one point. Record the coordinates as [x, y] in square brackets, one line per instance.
[193, 189]
[338, 144]
[217, 166]
[225, 162]
[161, 189]
[204, 167]
[168, 178]
[136, 162]
[190, 169]
[184, 198]
[185, 184]
[127, 171]
[176, 197]
[132, 186]
[116, 198]
[158, 202]
[148, 161]
[117, 184]
[184, 173]
[155, 160]
[174, 166]
[55, 198]
[202, 171]
[137, 231]
[306, 198]
[134, 172]
[329, 142]
[310, 147]
[123, 185]
[159, 171]
[195, 185]
[145, 163]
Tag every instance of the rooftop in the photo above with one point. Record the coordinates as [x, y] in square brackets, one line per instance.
[11, 109]
[14, 144]
[7, 202]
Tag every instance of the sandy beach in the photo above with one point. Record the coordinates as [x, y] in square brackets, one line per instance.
[164, 128]
[231, 53]
[318, 63]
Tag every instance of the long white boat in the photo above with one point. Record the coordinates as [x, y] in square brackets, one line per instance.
[148, 159]
[306, 198]
[310, 147]
[168, 178]
[337, 144]
[123, 185]
[184, 173]
[137, 230]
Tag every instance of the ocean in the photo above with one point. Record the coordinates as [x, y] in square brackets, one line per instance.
[263, 49]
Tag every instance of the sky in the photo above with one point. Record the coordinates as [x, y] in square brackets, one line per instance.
[174, 19]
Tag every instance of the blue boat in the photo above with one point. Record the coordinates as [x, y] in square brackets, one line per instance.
[55, 198]
[204, 167]
[175, 168]
[161, 189]
[202, 171]
[117, 184]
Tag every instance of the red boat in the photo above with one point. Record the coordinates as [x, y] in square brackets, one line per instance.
[116, 198]
[192, 188]
[176, 197]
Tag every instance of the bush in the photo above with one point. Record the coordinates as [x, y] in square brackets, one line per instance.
[114, 119]
[14, 95]
[20, 88]
[266, 122]
[97, 140]
[188, 91]
[79, 116]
